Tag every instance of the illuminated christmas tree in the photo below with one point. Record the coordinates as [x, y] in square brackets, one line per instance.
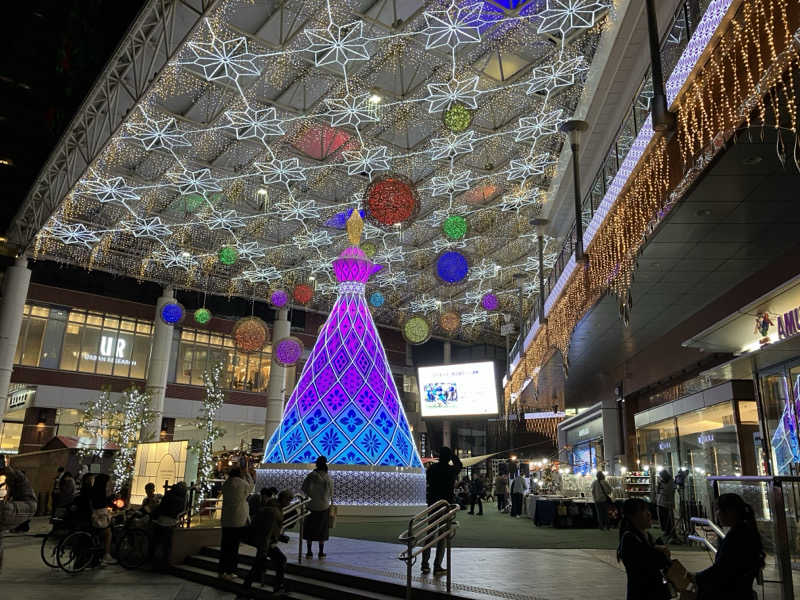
[346, 406]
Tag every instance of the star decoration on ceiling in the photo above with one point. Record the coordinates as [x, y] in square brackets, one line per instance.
[114, 189]
[392, 279]
[157, 133]
[550, 77]
[313, 239]
[562, 16]
[223, 59]
[387, 256]
[195, 182]
[254, 123]
[531, 288]
[474, 296]
[474, 318]
[530, 167]
[72, 233]
[520, 199]
[487, 269]
[338, 44]
[451, 183]
[440, 244]
[538, 125]
[250, 250]
[298, 210]
[144, 227]
[452, 145]
[424, 305]
[326, 289]
[366, 160]
[262, 275]
[442, 95]
[319, 265]
[169, 257]
[453, 27]
[351, 110]
[228, 220]
[281, 171]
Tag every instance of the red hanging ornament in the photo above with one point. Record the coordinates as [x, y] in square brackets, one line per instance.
[391, 200]
[303, 293]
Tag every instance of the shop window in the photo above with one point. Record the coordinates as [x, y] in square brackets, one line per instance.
[34, 336]
[658, 445]
[139, 356]
[10, 435]
[70, 351]
[90, 345]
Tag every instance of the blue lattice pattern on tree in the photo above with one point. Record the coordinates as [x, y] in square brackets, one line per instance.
[346, 405]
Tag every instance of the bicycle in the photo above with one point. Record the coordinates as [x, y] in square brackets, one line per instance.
[135, 544]
[82, 549]
[49, 548]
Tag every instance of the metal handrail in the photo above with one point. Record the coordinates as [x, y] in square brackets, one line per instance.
[710, 524]
[704, 541]
[422, 526]
[297, 511]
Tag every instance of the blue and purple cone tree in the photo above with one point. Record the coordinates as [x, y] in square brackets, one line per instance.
[346, 406]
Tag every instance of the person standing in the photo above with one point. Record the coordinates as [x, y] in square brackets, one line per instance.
[665, 500]
[66, 491]
[441, 479]
[101, 502]
[55, 492]
[234, 519]
[265, 533]
[476, 491]
[19, 503]
[518, 488]
[644, 561]
[602, 496]
[318, 486]
[501, 490]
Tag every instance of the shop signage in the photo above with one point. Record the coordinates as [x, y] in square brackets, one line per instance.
[789, 324]
[583, 432]
[666, 445]
[545, 415]
[705, 438]
[112, 351]
[20, 398]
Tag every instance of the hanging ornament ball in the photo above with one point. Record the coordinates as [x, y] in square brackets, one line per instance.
[369, 249]
[416, 330]
[250, 334]
[457, 117]
[391, 200]
[172, 313]
[452, 267]
[450, 321]
[490, 301]
[228, 255]
[288, 351]
[376, 299]
[202, 316]
[303, 293]
[192, 202]
[455, 227]
[279, 298]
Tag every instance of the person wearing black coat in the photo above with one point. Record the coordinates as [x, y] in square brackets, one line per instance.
[644, 561]
[740, 555]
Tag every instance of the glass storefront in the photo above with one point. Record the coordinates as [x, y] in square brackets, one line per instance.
[780, 390]
[236, 434]
[105, 344]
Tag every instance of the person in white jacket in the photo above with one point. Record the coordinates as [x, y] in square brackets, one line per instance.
[518, 489]
[235, 517]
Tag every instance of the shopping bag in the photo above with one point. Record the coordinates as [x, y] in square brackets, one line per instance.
[678, 576]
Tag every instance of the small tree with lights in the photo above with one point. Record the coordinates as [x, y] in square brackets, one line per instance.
[100, 419]
[206, 422]
[137, 415]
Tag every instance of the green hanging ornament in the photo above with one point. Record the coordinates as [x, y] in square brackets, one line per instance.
[228, 255]
[455, 227]
[202, 316]
[457, 117]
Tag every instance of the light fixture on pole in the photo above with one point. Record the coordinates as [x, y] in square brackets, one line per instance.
[663, 120]
[540, 225]
[573, 129]
[518, 279]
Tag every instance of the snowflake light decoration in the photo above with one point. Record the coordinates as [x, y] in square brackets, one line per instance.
[338, 44]
[451, 183]
[250, 250]
[366, 160]
[388, 256]
[299, 210]
[144, 227]
[262, 275]
[453, 145]
[424, 305]
[113, 189]
[254, 123]
[281, 171]
[530, 167]
[550, 77]
[169, 258]
[453, 26]
[538, 125]
[228, 219]
[350, 110]
[195, 182]
[562, 16]
[157, 133]
[487, 269]
[474, 318]
[521, 199]
[73, 234]
[392, 279]
[314, 239]
[223, 59]
[442, 95]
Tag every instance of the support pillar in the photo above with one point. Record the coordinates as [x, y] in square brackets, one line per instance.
[15, 291]
[158, 367]
[612, 442]
[276, 386]
[573, 129]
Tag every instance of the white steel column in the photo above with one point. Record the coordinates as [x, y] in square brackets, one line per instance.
[15, 291]
[276, 385]
[447, 435]
[158, 367]
[611, 433]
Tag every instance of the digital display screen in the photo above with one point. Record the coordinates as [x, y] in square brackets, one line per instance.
[458, 390]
